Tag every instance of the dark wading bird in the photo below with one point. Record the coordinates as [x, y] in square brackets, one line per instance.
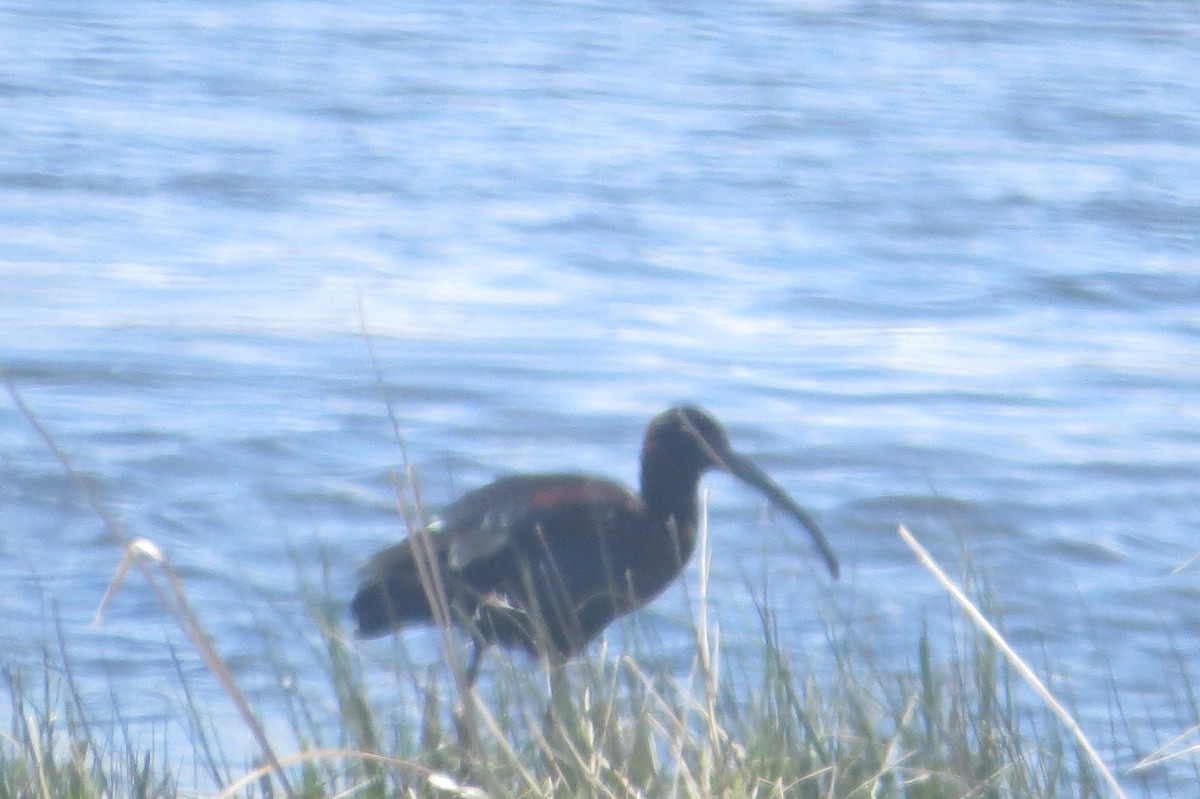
[545, 562]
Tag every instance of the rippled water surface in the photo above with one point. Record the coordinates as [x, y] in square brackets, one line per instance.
[932, 263]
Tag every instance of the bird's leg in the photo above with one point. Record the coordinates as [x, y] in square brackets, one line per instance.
[561, 718]
[479, 647]
[465, 709]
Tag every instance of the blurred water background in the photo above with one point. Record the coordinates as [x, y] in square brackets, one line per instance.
[933, 263]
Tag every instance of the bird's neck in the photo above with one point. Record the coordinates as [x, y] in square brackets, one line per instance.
[671, 513]
[670, 492]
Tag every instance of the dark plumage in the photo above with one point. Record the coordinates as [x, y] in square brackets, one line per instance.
[545, 562]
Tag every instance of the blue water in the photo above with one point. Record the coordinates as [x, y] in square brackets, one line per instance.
[932, 263]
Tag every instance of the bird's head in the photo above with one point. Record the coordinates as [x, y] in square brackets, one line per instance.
[684, 442]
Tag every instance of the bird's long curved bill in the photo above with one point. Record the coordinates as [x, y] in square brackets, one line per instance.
[745, 470]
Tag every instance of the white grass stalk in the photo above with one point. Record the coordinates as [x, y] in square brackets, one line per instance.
[1013, 658]
[1162, 755]
[141, 553]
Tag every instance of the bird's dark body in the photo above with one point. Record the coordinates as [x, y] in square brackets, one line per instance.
[575, 551]
[545, 562]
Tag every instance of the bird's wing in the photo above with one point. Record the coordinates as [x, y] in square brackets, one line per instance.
[531, 518]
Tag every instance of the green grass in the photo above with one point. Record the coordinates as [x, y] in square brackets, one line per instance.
[957, 723]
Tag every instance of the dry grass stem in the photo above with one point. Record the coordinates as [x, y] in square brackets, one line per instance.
[1013, 658]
